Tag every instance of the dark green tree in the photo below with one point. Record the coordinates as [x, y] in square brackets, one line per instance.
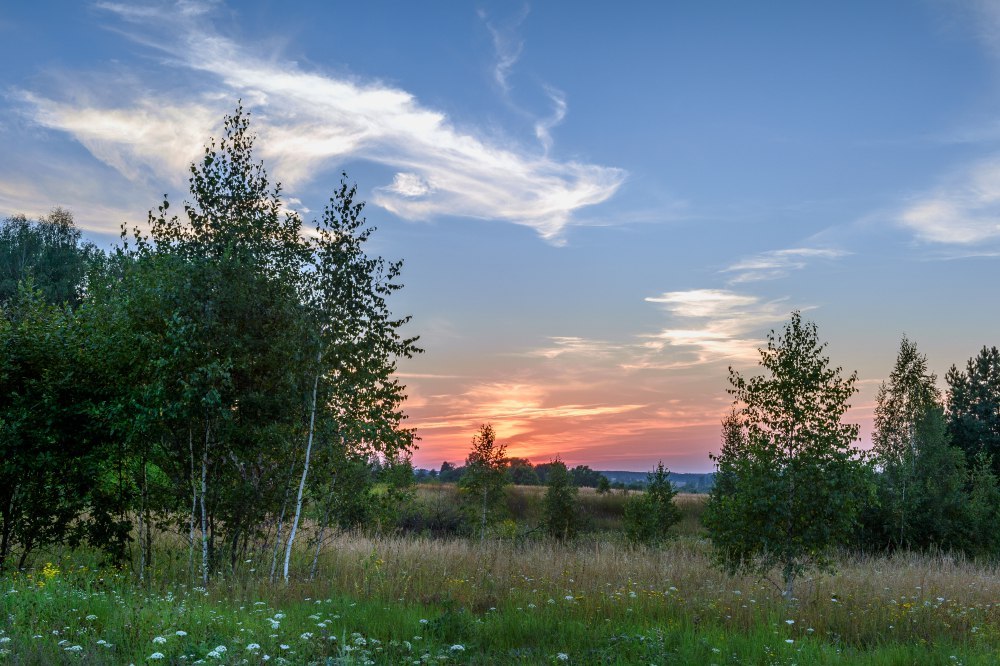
[521, 472]
[901, 432]
[51, 252]
[788, 487]
[52, 448]
[485, 474]
[974, 406]
[983, 510]
[650, 516]
[603, 486]
[560, 510]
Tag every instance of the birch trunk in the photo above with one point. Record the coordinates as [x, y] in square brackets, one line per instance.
[204, 512]
[194, 506]
[281, 522]
[142, 512]
[305, 470]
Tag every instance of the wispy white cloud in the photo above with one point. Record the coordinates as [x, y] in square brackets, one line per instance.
[309, 120]
[715, 326]
[963, 211]
[777, 263]
[507, 46]
[568, 345]
[543, 127]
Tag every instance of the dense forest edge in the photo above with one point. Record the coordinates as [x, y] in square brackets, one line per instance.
[210, 412]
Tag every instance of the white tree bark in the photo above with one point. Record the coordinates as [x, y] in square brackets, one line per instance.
[305, 470]
[204, 512]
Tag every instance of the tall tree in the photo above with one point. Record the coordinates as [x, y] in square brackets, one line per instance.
[561, 518]
[904, 405]
[485, 473]
[788, 486]
[48, 250]
[974, 406]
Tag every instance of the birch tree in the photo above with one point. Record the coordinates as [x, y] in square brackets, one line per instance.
[788, 486]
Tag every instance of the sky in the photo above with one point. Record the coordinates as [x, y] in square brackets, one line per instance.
[600, 210]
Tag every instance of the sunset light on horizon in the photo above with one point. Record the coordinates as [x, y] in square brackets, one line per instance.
[599, 214]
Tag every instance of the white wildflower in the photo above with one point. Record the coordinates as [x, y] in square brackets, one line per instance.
[73, 648]
[90, 618]
[181, 633]
[306, 636]
[159, 640]
[253, 647]
[156, 655]
[457, 648]
[562, 656]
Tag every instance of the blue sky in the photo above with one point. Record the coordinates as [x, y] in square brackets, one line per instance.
[599, 211]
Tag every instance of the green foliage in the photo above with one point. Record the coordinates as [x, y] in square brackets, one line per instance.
[920, 482]
[974, 406]
[50, 252]
[787, 489]
[520, 472]
[561, 519]
[485, 475]
[983, 509]
[650, 516]
[54, 447]
[603, 485]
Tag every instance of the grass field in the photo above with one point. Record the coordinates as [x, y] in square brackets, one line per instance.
[407, 599]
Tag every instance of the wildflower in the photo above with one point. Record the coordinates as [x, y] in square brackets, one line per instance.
[156, 655]
[423, 621]
[102, 642]
[73, 648]
[90, 618]
[159, 640]
[306, 636]
[568, 597]
[789, 641]
[279, 616]
[221, 649]
[562, 656]
[789, 622]
[457, 648]
[283, 646]
[253, 647]
[181, 633]
[5, 639]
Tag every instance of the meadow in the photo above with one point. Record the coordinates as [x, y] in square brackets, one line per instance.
[411, 599]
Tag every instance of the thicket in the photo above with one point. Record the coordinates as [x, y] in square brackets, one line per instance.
[222, 375]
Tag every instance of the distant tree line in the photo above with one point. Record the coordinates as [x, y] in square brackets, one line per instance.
[226, 374]
[519, 472]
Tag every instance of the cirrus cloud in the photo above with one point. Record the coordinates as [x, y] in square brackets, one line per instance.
[310, 120]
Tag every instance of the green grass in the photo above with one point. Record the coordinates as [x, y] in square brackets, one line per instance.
[403, 600]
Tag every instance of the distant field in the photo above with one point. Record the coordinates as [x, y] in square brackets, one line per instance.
[408, 599]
